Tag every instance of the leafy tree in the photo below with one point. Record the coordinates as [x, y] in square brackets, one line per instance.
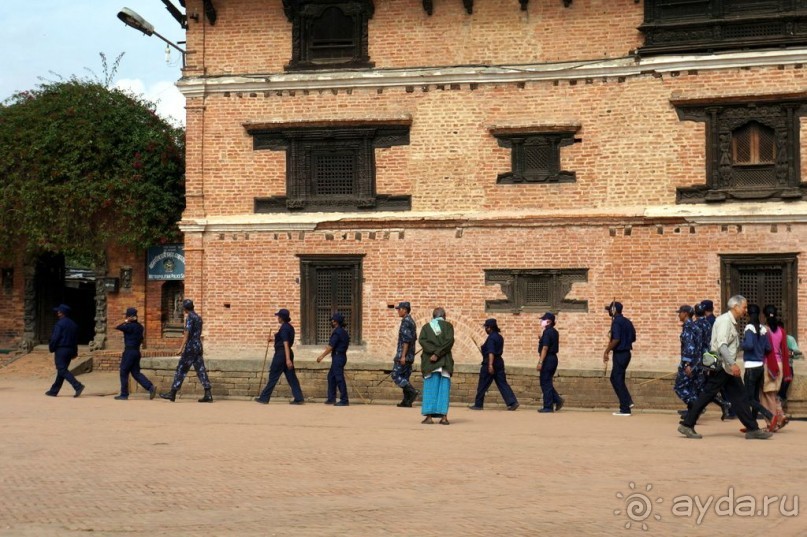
[83, 166]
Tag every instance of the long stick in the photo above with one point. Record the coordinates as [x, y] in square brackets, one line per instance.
[668, 376]
[263, 368]
[386, 375]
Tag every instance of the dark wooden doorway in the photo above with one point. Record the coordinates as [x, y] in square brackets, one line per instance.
[330, 285]
[763, 279]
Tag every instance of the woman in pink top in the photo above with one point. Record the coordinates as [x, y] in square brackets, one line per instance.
[777, 366]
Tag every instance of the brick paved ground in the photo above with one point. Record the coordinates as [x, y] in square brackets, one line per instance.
[71, 466]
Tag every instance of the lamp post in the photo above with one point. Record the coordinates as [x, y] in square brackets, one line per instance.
[132, 19]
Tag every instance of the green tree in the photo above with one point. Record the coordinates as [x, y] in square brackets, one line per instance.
[83, 166]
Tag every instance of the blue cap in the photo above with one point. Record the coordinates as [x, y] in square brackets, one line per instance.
[403, 305]
[548, 316]
[283, 313]
[708, 305]
[686, 309]
[64, 309]
[131, 312]
[616, 305]
[187, 304]
[491, 323]
[338, 317]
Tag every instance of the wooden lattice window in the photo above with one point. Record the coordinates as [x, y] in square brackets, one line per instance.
[328, 34]
[752, 151]
[705, 25]
[331, 168]
[535, 157]
[535, 290]
[330, 284]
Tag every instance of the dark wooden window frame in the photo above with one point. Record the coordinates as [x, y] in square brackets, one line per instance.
[308, 266]
[514, 284]
[303, 13]
[722, 118]
[521, 142]
[302, 143]
[789, 263]
[675, 26]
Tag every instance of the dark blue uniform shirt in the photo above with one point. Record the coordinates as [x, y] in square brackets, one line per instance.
[622, 329]
[193, 325]
[285, 333]
[65, 334]
[339, 342]
[132, 334]
[549, 339]
[494, 344]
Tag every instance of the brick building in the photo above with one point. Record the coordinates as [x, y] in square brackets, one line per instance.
[499, 158]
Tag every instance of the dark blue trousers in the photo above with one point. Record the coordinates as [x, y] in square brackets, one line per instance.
[130, 365]
[548, 369]
[62, 358]
[186, 361]
[400, 373]
[499, 377]
[621, 361]
[277, 368]
[336, 379]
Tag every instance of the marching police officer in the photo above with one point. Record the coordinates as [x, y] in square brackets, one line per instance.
[283, 362]
[492, 369]
[405, 355]
[337, 346]
[191, 354]
[130, 359]
[621, 343]
[691, 350]
[64, 346]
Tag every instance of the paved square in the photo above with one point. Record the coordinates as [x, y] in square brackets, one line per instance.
[72, 466]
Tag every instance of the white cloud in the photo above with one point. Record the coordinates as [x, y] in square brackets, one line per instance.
[170, 102]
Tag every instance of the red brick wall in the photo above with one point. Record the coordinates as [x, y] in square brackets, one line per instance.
[254, 36]
[651, 273]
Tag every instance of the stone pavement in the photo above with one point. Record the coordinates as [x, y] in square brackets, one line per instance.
[72, 466]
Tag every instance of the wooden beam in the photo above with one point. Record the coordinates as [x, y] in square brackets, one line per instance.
[428, 6]
[523, 4]
[567, 3]
[469, 6]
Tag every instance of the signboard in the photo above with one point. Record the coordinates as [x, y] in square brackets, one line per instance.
[166, 262]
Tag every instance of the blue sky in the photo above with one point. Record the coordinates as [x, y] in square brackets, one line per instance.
[65, 37]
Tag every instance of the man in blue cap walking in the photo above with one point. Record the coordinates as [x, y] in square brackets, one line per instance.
[337, 347]
[405, 355]
[130, 359]
[64, 346]
[283, 362]
[492, 369]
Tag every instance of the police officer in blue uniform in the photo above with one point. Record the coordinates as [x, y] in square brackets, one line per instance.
[708, 322]
[130, 360]
[548, 348]
[405, 355]
[337, 347]
[64, 346]
[492, 369]
[283, 362]
[691, 348]
[191, 354]
[621, 343]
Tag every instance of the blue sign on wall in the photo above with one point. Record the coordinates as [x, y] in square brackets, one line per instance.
[166, 262]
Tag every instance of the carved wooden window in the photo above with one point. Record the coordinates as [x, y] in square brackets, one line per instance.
[763, 279]
[535, 157]
[331, 168]
[330, 284]
[752, 151]
[704, 25]
[535, 290]
[329, 34]
[172, 316]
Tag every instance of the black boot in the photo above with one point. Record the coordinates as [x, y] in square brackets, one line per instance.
[171, 396]
[725, 408]
[208, 398]
[412, 395]
[405, 402]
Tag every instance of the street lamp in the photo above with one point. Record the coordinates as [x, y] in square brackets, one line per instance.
[130, 18]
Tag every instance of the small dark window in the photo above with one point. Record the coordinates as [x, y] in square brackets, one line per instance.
[332, 168]
[752, 151]
[330, 284]
[535, 290]
[328, 34]
[535, 157]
